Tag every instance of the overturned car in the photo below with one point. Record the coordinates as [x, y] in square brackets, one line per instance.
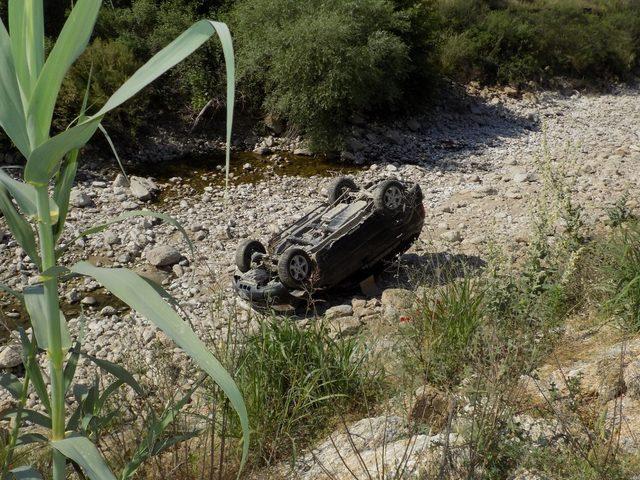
[344, 239]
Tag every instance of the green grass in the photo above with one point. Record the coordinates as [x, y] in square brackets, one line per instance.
[296, 381]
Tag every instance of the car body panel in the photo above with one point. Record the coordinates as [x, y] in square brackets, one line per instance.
[343, 239]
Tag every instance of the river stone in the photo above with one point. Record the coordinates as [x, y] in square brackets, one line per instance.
[79, 199]
[399, 298]
[338, 311]
[163, 256]
[303, 151]
[89, 300]
[262, 150]
[143, 188]
[120, 181]
[108, 311]
[110, 237]
[10, 356]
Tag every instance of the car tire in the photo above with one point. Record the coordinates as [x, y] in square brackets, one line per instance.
[339, 187]
[295, 267]
[389, 197]
[245, 251]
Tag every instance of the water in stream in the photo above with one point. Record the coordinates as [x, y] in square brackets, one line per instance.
[245, 167]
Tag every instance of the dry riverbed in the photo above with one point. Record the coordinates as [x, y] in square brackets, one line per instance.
[485, 164]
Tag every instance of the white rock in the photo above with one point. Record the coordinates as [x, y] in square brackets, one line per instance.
[143, 188]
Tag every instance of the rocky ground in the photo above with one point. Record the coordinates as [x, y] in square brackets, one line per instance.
[484, 163]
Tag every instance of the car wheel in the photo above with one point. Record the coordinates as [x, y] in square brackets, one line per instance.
[245, 251]
[339, 187]
[389, 197]
[294, 267]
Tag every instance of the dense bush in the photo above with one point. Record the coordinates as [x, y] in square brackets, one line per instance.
[514, 42]
[109, 63]
[317, 63]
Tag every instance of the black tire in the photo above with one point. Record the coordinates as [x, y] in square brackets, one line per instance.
[244, 252]
[389, 197]
[339, 187]
[295, 267]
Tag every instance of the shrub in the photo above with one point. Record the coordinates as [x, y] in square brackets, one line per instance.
[515, 42]
[110, 63]
[317, 63]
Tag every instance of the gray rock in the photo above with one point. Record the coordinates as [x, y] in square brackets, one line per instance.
[129, 205]
[524, 177]
[178, 271]
[398, 297]
[120, 181]
[89, 301]
[303, 151]
[143, 188]
[110, 237]
[73, 296]
[338, 311]
[108, 311]
[10, 356]
[262, 150]
[79, 199]
[163, 256]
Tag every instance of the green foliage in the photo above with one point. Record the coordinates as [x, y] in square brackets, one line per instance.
[109, 63]
[440, 339]
[317, 63]
[616, 261]
[620, 212]
[295, 380]
[515, 42]
[29, 88]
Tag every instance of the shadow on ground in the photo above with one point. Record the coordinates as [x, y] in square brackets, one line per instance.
[454, 128]
[408, 271]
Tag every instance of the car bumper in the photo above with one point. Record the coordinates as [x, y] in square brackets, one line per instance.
[273, 293]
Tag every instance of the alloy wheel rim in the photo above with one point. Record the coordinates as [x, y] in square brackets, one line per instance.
[393, 197]
[299, 267]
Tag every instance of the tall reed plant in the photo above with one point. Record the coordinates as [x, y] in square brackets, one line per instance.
[35, 209]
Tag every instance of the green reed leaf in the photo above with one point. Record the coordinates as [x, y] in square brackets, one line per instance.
[143, 298]
[71, 42]
[26, 25]
[84, 453]
[12, 114]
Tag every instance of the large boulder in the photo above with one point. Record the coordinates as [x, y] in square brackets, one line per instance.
[143, 188]
[163, 256]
